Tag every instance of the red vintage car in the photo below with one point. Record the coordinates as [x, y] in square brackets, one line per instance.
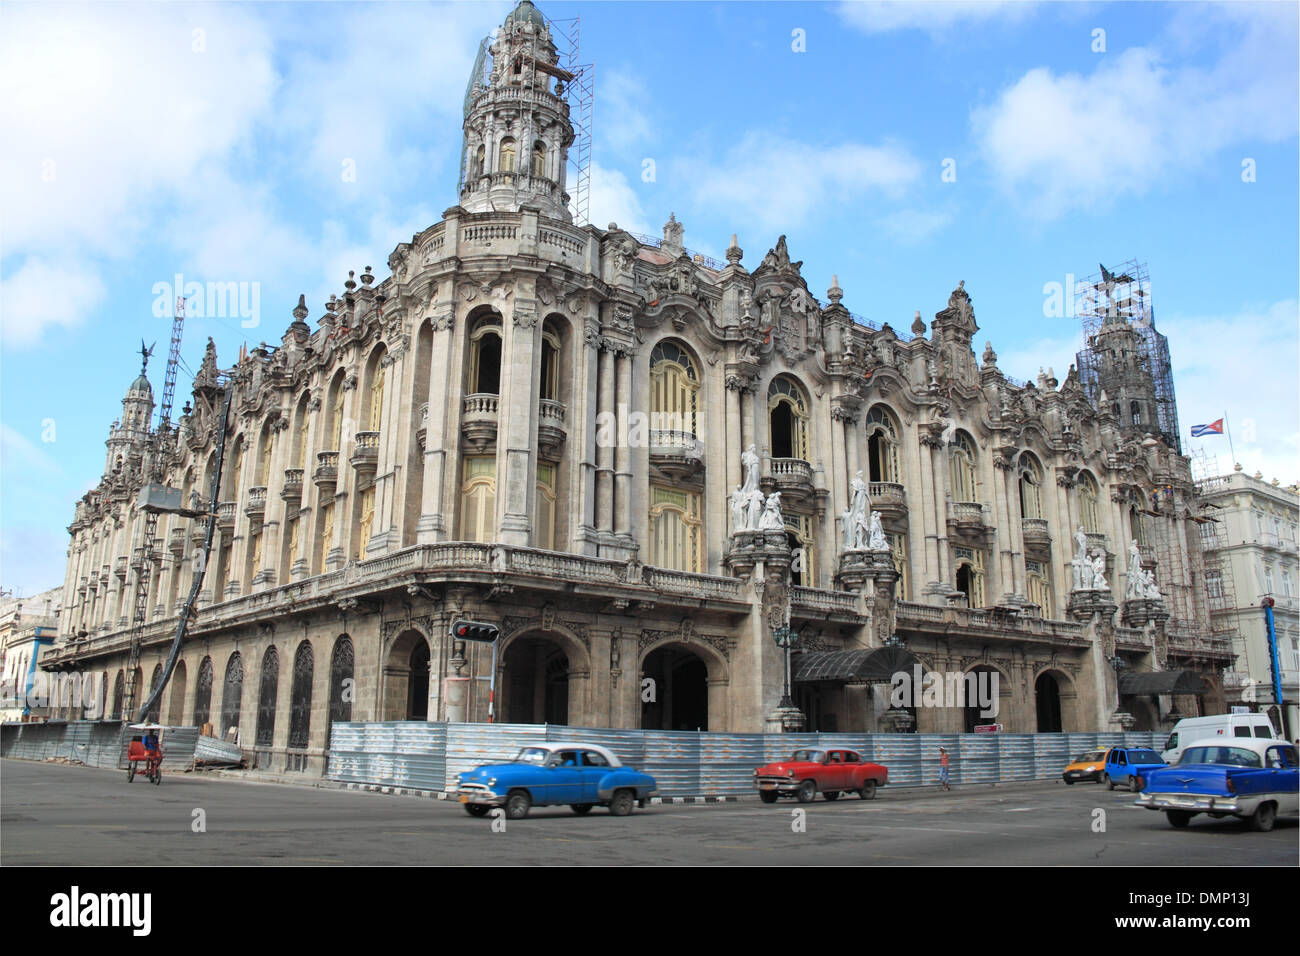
[829, 772]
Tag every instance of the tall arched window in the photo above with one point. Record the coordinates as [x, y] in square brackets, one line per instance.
[476, 169]
[155, 712]
[962, 466]
[300, 697]
[1089, 514]
[1038, 587]
[376, 407]
[676, 540]
[1031, 488]
[478, 499]
[366, 523]
[539, 159]
[898, 551]
[1135, 412]
[119, 693]
[970, 575]
[674, 395]
[799, 535]
[485, 357]
[326, 536]
[268, 690]
[342, 687]
[232, 695]
[264, 457]
[548, 377]
[336, 412]
[787, 412]
[544, 522]
[882, 446]
[203, 693]
[506, 163]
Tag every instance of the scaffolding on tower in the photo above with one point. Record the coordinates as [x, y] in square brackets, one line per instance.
[1123, 297]
[581, 96]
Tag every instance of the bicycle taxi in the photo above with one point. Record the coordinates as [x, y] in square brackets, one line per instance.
[144, 753]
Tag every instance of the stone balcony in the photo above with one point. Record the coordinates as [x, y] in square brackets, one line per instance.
[986, 623]
[292, 488]
[550, 427]
[792, 477]
[1097, 542]
[119, 567]
[103, 576]
[478, 421]
[678, 454]
[422, 432]
[966, 516]
[1036, 532]
[256, 506]
[365, 454]
[326, 475]
[176, 541]
[138, 558]
[226, 515]
[888, 497]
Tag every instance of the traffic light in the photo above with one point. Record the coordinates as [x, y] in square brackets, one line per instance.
[463, 630]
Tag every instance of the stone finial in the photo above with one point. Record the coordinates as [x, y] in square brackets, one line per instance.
[918, 327]
[1259, 475]
[366, 277]
[352, 282]
[300, 310]
[332, 305]
[673, 230]
[990, 357]
[734, 252]
[1236, 466]
[835, 293]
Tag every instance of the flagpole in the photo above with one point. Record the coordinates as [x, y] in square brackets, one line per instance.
[1228, 429]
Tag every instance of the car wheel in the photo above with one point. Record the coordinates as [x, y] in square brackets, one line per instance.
[1110, 784]
[477, 809]
[868, 790]
[767, 796]
[1263, 817]
[518, 804]
[831, 795]
[1069, 782]
[581, 808]
[1134, 783]
[807, 792]
[622, 803]
[1178, 819]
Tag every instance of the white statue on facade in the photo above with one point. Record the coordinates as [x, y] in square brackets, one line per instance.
[878, 540]
[771, 519]
[846, 529]
[754, 509]
[1135, 587]
[1082, 564]
[1149, 589]
[749, 461]
[861, 530]
[861, 501]
[1099, 571]
[738, 509]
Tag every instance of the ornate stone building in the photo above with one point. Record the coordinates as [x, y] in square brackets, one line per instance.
[539, 425]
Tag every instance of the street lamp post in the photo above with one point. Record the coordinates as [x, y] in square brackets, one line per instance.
[786, 638]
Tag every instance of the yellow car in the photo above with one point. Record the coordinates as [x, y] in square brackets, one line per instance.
[1089, 766]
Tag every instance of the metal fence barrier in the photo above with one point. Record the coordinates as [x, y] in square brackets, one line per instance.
[424, 755]
[95, 743]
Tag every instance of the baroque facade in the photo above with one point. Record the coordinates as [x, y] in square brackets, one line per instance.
[539, 425]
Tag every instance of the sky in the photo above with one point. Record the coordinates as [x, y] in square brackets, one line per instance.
[902, 147]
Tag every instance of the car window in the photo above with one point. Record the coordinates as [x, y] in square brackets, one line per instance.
[835, 757]
[851, 757]
[1121, 759]
[812, 756]
[537, 755]
[563, 758]
[1172, 742]
[592, 759]
[1263, 733]
[1273, 759]
[1292, 758]
[1229, 756]
[1241, 731]
[1145, 756]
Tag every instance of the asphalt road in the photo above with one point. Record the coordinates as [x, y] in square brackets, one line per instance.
[70, 815]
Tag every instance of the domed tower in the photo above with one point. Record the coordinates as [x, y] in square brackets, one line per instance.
[517, 129]
[128, 438]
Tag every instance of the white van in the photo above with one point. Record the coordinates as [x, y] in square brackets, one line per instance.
[1191, 729]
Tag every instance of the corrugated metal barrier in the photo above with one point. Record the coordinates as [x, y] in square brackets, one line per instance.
[422, 755]
[95, 743]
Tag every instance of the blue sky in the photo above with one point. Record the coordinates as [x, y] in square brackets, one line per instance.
[216, 141]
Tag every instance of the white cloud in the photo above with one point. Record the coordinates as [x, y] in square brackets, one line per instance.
[913, 226]
[46, 292]
[1071, 141]
[622, 123]
[777, 184]
[936, 16]
[612, 199]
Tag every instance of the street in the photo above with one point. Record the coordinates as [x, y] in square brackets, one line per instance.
[74, 815]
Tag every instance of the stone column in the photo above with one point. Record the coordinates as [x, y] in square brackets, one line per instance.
[440, 438]
[622, 455]
[604, 451]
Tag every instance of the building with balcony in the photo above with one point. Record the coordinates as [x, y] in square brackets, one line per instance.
[1254, 537]
[539, 424]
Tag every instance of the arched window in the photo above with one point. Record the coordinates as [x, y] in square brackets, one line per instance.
[119, 692]
[799, 535]
[300, 697]
[264, 457]
[970, 575]
[476, 169]
[366, 522]
[232, 695]
[342, 686]
[1089, 514]
[268, 690]
[506, 163]
[544, 526]
[1031, 488]
[962, 464]
[674, 395]
[1038, 587]
[898, 551]
[882, 446]
[203, 693]
[336, 412]
[376, 409]
[676, 540]
[485, 357]
[539, 159]
[787, 412]
[479, 499]
[548, 377]
[1135, 412]
[155, 712]
[1136, 527]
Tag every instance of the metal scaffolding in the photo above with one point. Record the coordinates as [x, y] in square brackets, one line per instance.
[1123, 354]
[581, 93]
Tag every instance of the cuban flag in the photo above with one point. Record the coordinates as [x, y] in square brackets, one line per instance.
[1214, 428]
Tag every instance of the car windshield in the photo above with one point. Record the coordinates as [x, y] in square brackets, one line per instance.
[811, 756]
[1144, 756]
[1229, 756]
[1095, 755]
[535, 755]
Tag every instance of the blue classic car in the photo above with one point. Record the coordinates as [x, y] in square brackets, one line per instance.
[1223, 776]
[1128, 766]
[581, 775]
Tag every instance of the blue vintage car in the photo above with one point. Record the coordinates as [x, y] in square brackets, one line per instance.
[1129, 766]
[1223, 776]
[581, 775]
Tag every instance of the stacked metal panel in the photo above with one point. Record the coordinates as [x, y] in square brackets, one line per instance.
[728, 762]
[673, 759]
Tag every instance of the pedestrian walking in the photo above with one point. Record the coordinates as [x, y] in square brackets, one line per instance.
[943, 768]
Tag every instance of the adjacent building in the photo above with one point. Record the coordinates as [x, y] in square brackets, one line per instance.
[28, 628]
[541, 424]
